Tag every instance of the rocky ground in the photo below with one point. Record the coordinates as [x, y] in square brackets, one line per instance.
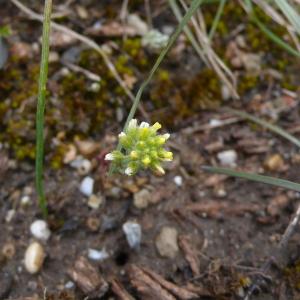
[186, 235]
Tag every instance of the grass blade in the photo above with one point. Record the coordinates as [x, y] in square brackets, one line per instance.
[267, 125]
[41, 109]
[271, 35]
[290, 13]
[255, 177]
[216, 19]
[187, 30]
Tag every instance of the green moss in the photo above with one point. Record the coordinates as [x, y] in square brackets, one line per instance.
[292, 274]
[246, 83]
[185, 96]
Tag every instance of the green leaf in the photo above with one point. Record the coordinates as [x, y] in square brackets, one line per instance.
[255, 177]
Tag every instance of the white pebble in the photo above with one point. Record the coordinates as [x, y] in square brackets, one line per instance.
[133, 234]
[69, 285]
[25, 200]
[34, 257]
[39, 229]
[82, 165]
[227, 158]
[178, 180]
[97, 255]
[215, 122]
[87, 186]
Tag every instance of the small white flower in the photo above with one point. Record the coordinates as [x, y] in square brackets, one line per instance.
[122, 134]
[144, 125]
[167, 159]
[132, 124]
[128, 171]
[109, 156]
[166, 136]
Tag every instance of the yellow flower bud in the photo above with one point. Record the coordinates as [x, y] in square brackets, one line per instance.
[156, 126]
[146, 161]
[134, 155]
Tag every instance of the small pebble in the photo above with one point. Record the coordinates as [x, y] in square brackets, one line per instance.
[34, 257]
[178, 180]
[141, 199]
[25, 201]
[87, 186]
[215, 122]
[83, 166]
[39, 229]
[166, 242]
[69, 285]
[227, 158]
[95, 201]
[275, 162]
[97, 255]
[133, 234]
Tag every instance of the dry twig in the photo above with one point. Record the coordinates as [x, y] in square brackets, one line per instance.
[278, 252]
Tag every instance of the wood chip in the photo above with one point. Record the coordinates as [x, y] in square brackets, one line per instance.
[189, 254]
[217, 209]
[120, 291]
[146, 286]
[180, 292]
[112, 29]
[88, 278]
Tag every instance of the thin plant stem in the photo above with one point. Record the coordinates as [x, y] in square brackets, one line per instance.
[216, 19]
[41, 109]
[283, 133]
[194, 5]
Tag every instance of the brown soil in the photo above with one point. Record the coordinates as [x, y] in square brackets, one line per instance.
[227, 228]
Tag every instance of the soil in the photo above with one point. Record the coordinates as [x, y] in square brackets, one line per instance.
[227, 229]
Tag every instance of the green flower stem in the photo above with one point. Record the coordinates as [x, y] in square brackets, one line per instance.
[41, 109]
[194, 5]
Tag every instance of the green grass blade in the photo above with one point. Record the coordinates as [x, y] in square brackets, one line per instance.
[271, 35]
[194, 5]
[41, 108]
[267, 125]
[255, 177]
[217, 19]
[187, 31]
[290, 12]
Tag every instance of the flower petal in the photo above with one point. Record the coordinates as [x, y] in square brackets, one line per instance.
[128, 171]
[109, 156]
